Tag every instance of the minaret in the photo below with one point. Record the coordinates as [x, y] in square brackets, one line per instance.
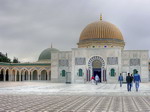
[51, 45]
[101, 17]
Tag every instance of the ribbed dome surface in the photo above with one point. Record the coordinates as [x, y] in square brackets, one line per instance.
[46, 54]
[101, 29]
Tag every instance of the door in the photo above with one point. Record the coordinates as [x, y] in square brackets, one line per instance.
[97, 71]
[68, 77]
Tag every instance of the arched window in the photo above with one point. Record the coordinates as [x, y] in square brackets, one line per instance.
[63, 73]
[80, 73]
[112, 72]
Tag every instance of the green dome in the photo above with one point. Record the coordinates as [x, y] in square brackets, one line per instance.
[46, 54]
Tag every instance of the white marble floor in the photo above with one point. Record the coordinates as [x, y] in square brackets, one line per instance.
[56, 97]
[70, 89]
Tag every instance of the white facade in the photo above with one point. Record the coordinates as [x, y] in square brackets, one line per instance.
[111, 62]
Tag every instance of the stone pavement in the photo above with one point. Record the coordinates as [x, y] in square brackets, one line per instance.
[74, 103]
[50, 97]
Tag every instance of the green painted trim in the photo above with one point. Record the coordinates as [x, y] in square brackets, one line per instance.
[3, 63]
[112, 71]
[80, 73]
[63, 73]
[25, 64]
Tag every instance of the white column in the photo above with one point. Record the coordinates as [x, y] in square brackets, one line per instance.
[23, 76]
[27, 76]
[15, 76]
[47, 76]
[38, 77]
[19, 76]
[50, 76]
[102, 75]
[91, 73]
[31, 76]
[12, 77]
[4, 75]
[9, 77]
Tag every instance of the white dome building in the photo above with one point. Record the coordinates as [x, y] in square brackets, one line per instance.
[100, 51]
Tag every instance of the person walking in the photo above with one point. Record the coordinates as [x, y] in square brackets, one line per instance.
[120, 79]
[137, 80]
[92, 79]
[96, 79]
[128, 80]
[132, 80]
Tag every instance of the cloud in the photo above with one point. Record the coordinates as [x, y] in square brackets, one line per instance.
[27, 27]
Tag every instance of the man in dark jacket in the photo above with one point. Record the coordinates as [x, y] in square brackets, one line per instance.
[132, 78]
[128, 80]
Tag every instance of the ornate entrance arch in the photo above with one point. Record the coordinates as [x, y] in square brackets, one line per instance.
[96, 65]
[96, 58]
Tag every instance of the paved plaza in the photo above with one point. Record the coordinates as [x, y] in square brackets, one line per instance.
[52, 97]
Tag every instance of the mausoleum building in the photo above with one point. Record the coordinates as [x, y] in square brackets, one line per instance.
[100, 51]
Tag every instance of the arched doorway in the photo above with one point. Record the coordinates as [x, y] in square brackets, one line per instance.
[2, 75]
[35, 76]
[17, 76]
[26, 75]
[43, 75]
[7, 75]
[22, 75]
[96, 66]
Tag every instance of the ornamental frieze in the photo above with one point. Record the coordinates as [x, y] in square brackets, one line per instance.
[80, 61]
[63, 63]
[134, 62]
[112, 60]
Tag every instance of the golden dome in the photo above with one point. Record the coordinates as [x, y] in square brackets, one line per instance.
[101, 33]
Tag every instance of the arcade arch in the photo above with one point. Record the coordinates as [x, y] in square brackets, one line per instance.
[17, 76]
[35, 75]
[43, 75]
[7, 75]
[24, 74]
[2, 75]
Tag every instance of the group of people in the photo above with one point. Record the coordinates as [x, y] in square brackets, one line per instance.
[129, 79]
[95, 79]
